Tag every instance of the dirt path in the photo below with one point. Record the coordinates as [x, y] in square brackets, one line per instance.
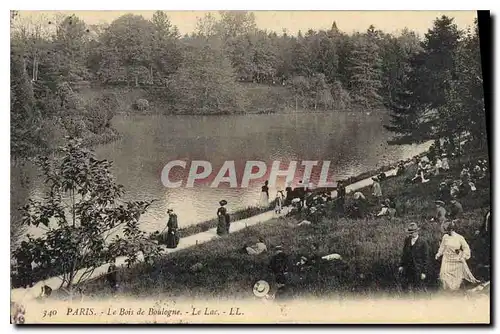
[22, 294]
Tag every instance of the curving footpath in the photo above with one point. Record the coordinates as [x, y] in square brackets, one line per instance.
[21, 294]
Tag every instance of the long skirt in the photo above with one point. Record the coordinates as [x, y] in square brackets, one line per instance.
[453, 272]
[278, 205]
[264, 200]
[222, 227]
[172, 239]
[228, 222]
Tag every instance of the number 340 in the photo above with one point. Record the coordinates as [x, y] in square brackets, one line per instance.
[49, 313]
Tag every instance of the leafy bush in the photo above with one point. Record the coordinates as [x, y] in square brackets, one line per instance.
[77, 229]
[141, 105]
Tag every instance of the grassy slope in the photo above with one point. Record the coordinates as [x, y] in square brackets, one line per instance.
[371, 248]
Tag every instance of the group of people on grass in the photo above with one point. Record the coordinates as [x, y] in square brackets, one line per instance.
[453, 251]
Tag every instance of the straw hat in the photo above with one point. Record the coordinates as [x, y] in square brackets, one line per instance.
[413, 227]
[439, 202]
[261, 288]
[223, 202]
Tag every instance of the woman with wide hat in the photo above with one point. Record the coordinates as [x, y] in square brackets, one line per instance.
[222, 225]
[172, 225]
[264, 195]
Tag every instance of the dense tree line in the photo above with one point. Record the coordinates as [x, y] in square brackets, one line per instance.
[440, 93]
[206, 71]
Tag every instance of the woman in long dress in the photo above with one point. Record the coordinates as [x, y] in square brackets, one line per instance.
[222, 226]
[455, 252]
[279, 202]
[173, 226]
[264, 195]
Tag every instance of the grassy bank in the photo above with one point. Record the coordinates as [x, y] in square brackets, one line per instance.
[371, 248]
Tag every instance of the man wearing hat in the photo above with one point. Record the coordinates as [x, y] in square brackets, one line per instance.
[341, 192]
[440, 215]
[414, 260]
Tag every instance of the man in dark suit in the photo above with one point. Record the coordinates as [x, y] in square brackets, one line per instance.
[341, 196]
[414, 260]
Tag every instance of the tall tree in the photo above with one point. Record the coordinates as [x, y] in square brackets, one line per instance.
[127, 50]
[166, 51]
[365, 72]
[205, 83]
[69, 51]
[431, 110]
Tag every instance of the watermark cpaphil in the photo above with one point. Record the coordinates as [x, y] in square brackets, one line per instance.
[202, 171]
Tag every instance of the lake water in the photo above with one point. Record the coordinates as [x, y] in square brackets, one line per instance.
[354, 142]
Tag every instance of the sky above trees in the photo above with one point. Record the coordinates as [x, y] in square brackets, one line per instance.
[293, 21]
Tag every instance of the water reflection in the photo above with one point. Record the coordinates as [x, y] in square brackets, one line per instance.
[353, 142]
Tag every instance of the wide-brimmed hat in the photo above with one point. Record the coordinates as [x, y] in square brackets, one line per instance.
[261, 288]
[170, 210]
[439, 202]
[443, 154]
[412, 227]
[223, 202]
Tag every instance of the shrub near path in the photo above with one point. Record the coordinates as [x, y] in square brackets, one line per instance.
[370, 246]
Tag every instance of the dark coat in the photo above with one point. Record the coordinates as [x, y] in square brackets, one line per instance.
[341, 191]
[415, 258]
[456, 210]
[172, 239]
[172, 222]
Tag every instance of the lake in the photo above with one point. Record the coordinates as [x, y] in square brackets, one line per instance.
[354, 142]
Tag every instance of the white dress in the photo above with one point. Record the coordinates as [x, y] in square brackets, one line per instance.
[454, 269]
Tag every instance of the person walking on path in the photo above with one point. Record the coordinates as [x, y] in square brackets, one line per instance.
[341, 192]
[172, 227]
[264, 195]
[377, 190]
[221, 215]
[455, 252]
[414, 260]
[280, 197]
